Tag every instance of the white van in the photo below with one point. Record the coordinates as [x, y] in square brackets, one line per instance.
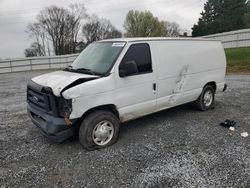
[114, 81]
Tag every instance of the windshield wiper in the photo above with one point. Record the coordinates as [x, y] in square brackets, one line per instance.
[81, 70]
[84, 70]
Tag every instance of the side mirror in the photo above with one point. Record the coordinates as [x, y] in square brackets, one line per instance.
[128, 68]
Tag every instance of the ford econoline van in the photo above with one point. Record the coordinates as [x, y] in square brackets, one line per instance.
[114, 81]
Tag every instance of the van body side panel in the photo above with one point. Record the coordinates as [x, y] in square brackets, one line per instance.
[184, 67]
[180, 69]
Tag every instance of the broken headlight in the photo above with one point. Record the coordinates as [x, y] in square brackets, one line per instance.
[64, 107]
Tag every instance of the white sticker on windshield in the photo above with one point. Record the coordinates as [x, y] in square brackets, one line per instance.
[118, 44]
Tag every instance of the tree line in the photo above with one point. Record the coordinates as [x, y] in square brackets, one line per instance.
[221, 16]
[69, 30]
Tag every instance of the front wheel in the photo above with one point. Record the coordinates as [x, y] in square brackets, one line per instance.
[206, 99]
[98, 130]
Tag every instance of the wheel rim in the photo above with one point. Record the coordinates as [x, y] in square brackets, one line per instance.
[103, 133]
[208, 98]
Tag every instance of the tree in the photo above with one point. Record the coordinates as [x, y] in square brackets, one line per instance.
[60, 26]
[247, 15]
[233, 12]
[172, 29]
[36, 31]
[80, 46]
[211, 18]
[34, 50]
[97, 29]
[143, 24]
[77, 13]
[221, 16]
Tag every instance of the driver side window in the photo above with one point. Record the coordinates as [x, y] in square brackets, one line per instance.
[140, 56]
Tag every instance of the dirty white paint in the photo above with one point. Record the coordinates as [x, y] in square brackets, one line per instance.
[181, 68]
[58, 80]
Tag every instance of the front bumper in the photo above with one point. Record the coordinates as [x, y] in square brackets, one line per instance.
[52, 127]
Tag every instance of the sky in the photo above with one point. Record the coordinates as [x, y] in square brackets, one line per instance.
[16, 14]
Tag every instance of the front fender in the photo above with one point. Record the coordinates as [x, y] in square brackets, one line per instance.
[82, 104]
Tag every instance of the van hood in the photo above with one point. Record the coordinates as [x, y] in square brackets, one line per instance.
[59, 81]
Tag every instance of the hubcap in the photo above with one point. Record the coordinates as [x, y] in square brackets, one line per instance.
[208, 98]
[103, 133]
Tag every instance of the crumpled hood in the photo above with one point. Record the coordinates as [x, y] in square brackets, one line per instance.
[58, 80]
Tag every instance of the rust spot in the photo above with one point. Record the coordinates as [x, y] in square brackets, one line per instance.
[67, 121]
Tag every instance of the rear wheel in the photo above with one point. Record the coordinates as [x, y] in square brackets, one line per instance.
[98, 130]
[206, 99]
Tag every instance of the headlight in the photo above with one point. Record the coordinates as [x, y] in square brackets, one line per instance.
[64, 107]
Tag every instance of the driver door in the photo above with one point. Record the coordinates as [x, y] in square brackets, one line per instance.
[136, 92]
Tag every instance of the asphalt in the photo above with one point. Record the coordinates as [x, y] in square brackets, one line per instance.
[179, 147]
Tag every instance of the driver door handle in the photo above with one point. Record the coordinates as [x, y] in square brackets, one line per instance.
[154, 87]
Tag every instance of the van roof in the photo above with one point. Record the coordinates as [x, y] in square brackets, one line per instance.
[138, 39]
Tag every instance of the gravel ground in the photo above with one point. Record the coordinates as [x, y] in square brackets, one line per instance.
[179, 147]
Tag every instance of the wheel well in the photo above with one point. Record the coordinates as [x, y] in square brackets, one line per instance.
[213, 84]
[108, 107]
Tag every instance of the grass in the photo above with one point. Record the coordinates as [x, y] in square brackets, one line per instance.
[238, 60]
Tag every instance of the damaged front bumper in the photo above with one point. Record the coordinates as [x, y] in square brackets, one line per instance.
[52, 127]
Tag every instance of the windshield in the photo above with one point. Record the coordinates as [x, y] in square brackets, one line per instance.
[98, 58]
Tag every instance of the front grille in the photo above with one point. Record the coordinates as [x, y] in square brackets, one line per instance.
[41, 98]
[38, 99]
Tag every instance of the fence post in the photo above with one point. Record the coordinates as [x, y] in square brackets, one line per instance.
[49, 63]
[237, 42]
[67, 61]
[11, 70]
[30, 65]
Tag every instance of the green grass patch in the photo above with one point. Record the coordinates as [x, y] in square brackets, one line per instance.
[238, 60]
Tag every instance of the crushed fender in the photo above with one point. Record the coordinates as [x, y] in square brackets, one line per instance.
[77, 82]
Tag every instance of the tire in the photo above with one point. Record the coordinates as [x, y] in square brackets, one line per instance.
[206, 99]
[98, 130]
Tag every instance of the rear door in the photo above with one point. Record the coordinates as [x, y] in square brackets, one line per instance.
[136, 94]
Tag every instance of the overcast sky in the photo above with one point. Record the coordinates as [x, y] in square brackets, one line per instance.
[16, 14]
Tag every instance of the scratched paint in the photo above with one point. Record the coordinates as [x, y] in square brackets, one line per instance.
[180, 83]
